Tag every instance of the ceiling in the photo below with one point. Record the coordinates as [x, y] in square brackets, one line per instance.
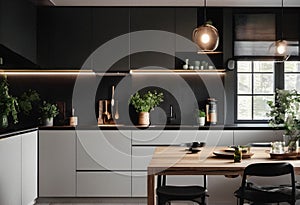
[222, 3]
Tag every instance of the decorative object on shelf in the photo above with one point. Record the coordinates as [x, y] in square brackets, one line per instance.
[73, 119]
[285, 113]
[48, 112]
[143, 104]
[197, 65]
[186, 66]
[8, 104]
[201, 117]
[191, 67]
[211, 111]
[206, 36]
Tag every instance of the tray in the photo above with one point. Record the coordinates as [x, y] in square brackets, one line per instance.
[286, 155]
[229, 155]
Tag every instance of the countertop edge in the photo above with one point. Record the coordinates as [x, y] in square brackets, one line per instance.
[17, 132]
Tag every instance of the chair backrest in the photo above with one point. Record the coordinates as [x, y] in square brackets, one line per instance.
[163, 181]
[270, 170]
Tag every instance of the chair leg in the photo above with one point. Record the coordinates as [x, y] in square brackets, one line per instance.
[241, 201]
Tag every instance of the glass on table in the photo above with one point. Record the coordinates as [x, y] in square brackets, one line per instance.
[277, 147]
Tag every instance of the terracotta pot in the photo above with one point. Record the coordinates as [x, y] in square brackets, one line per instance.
[144, 118]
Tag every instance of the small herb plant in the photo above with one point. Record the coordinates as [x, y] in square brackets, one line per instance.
[8, 103]
[146, 102]
[48, 110]
[201, 113]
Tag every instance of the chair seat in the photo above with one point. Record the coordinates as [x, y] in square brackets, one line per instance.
[181, 192]
[266, 194]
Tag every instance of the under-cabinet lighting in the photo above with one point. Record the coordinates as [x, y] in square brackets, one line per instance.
[47, 72]
[178, 72]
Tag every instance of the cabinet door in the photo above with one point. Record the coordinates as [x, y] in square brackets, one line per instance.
[104, 184]
[57, 169]
[29, 168]
[243, 137]
[10, 171]
[103, 150]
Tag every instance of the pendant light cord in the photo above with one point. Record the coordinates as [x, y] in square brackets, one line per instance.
[204, 12]
[282, 20]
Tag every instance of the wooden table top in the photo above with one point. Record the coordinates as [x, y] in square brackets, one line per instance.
[175, 160]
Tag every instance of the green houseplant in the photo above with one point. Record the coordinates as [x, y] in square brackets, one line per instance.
[285, 113]
[201, 117]
[8, 104]
[28, 100]
[143, 104]
[48, 112]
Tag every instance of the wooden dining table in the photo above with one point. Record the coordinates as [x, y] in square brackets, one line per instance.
[174, 160]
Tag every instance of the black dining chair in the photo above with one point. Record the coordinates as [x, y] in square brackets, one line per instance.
[267, 193]
[166, 193]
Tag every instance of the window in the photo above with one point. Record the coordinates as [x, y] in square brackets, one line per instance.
[292, 75]
[255, 86]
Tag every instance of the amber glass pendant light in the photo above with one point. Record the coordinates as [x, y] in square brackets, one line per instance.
[206, 36]
[280, 46]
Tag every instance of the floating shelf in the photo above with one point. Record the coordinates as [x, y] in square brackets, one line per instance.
[177, 71]
[209, 52]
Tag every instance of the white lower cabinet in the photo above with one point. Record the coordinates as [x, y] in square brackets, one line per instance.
[104, 163]
[18, 172]
[10, 171]
[29, 168]
[57, 163]
[104, 184]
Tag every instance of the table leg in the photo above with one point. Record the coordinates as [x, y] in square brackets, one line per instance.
[150, 185]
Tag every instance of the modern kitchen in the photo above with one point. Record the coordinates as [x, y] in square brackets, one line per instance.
[101, 99]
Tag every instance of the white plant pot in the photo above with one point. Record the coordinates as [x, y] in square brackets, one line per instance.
[201, 121]
[48, 121]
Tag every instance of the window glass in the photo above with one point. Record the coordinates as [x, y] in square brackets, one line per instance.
[263, 84]
[260, 107]
[244, 105]
[244, 84]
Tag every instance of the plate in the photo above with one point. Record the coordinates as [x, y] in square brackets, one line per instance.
[224, 154]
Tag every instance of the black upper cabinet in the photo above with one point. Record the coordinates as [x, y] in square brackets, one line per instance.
[17, 34]
[152, 19]
[64, 37]
[108, 25]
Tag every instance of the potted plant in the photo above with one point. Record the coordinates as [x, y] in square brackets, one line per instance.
[8, 104]
[285, 113]
[201, 117]
[48, 111]
[143, 104]
[28, 100]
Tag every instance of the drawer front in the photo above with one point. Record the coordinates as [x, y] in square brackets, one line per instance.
[141, 157]
[104, 150]
[170, 137]
[139, 184]
[243, 137]
[104, 184]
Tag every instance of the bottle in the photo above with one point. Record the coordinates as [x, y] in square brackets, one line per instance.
[211, 111]
[73, 119]
[237, 157]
